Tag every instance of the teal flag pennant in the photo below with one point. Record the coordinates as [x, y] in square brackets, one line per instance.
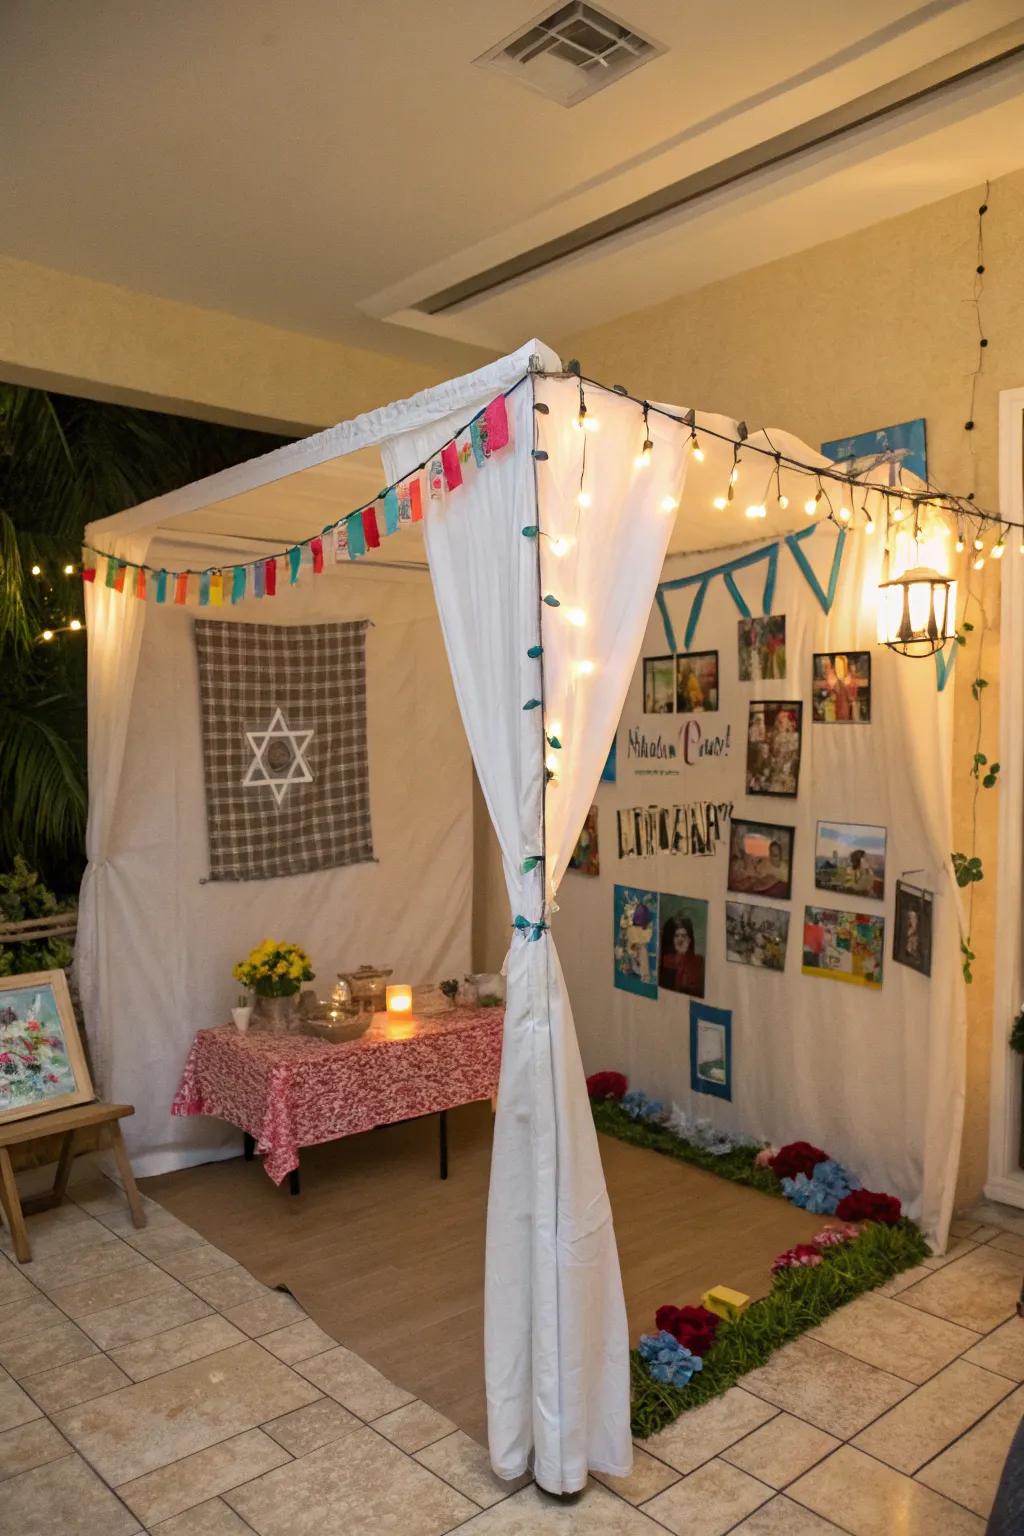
[391, 511]
[294, 562]
[238, 583]
[356, 536]
[161, 586]
[204, 588]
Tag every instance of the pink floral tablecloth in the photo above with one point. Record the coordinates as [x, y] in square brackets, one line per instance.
[292, 1091]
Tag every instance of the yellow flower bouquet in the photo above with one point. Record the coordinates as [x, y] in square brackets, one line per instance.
[274, 969]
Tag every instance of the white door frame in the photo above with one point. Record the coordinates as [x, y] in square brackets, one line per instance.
[1005, 1176]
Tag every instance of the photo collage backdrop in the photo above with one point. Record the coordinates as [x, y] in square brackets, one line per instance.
[786, 774]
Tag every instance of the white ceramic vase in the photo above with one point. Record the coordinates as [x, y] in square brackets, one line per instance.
[241, 1017]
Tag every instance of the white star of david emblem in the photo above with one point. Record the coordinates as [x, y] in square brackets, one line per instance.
[278, 757]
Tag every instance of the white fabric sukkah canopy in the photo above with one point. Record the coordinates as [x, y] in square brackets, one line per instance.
[556, 1349]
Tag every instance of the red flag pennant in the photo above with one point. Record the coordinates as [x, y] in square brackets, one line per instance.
[496, 423]
[119, 579]
[452, 467]
[416, 499]
[89, 573]
[181, 587]
[370, 529]
[140, 583]
[270, 576]
[316, 547]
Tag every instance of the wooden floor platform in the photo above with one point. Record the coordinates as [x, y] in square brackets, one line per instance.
[389, 1260]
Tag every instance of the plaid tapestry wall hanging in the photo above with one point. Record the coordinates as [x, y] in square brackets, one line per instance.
[284, 747]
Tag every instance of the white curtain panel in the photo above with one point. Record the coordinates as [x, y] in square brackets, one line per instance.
[114, 624]
[557, 1349]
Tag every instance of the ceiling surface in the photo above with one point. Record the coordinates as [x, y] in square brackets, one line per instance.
[328, 167]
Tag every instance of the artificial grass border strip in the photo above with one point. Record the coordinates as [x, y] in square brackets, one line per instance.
[800, 1298]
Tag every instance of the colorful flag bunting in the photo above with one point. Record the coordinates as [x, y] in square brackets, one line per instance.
[216, 589]
[294, 561]
[371, 532]
[416, 499]
[476, 438]
[204, 588]
[270, 576]
[496, 425]
[238, 584]
[181, 587]
[140, 583]
[316, 547]
[119, 576]
[258, 578]
[356, 535]
[161, 586]
[391, 511]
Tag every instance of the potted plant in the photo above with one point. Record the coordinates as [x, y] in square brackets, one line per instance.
[274, 972]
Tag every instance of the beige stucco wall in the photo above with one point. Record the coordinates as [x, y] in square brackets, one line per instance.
[59, 331]
[850, 335]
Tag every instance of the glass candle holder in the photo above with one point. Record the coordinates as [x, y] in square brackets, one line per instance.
[398, 999]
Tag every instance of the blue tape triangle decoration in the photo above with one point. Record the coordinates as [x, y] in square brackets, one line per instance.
[703, 579]
[825, 598]
[944, 665]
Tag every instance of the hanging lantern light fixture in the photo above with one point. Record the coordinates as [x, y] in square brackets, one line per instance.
[917, 612]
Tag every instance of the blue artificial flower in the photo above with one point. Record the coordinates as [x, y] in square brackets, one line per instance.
[667, 1360]
[833, 1176]
[810, 1195]
[639, 1106]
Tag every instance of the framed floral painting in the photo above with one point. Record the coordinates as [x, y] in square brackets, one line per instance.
[42, 1063]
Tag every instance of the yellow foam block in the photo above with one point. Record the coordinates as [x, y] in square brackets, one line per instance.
[725, 1302]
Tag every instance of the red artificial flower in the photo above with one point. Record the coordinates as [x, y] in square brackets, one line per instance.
[804, 1254]
[606, 1085]
[694, 1327]
[797, 1157]
[868, 1205]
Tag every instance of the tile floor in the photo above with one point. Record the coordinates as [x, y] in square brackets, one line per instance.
[148, 1383]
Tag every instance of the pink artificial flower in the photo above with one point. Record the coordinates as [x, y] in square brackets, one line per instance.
[833, 1237]
[51, 1077]
[764, 1157]
[804, 1254]
[34, 1025]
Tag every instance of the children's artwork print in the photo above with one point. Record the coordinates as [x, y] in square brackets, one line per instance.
[912, 937]
[684, 944]
[696, 682]
[659, 685]
[761, 859]
[42, 1065]
[756, 935]
[901, 447]
[850, 859]
[841, 688]
[608, 771]
[711, 1050]
[773, 746]
[636, 941]
[584, 856]
[843, 946]
[696, 828]
[762, 648]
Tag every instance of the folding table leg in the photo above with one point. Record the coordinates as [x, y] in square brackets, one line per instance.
[124, 1168]
[12, 1208]
[443, 1129]
[293, 1182]
[248, 1146]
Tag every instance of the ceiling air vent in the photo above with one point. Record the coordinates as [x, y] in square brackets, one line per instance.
[569, 53]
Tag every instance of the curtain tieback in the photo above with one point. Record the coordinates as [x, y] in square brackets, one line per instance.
[532, 931]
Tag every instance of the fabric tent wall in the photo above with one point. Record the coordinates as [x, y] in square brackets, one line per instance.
[875, 1077]
[174, 938]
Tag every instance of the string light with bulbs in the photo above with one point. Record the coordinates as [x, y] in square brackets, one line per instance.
[73, 626]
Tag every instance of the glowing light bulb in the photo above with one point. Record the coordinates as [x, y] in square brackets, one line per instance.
[669, 504]
[591, 423]
[69, 570]
[998, 550]
[47, 634]
[960, 545]
[979, 562]
[559, 547]
[584, 498]
[554, 728]
[783, 503]
[735, 474]
[643, 458]
[696, 449]
[76, 624]
[979, 544]
[719, 503]
[756, 509]
[869, 526]
[37, 570]
[898, 514]
[810, 506]
[844, 514]
[585, 667]
[575, 616]
[551, 762]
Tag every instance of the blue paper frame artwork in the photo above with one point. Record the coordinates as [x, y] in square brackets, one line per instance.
[711, 1050]
[608, 771]
[635, 940]
[903, 447]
